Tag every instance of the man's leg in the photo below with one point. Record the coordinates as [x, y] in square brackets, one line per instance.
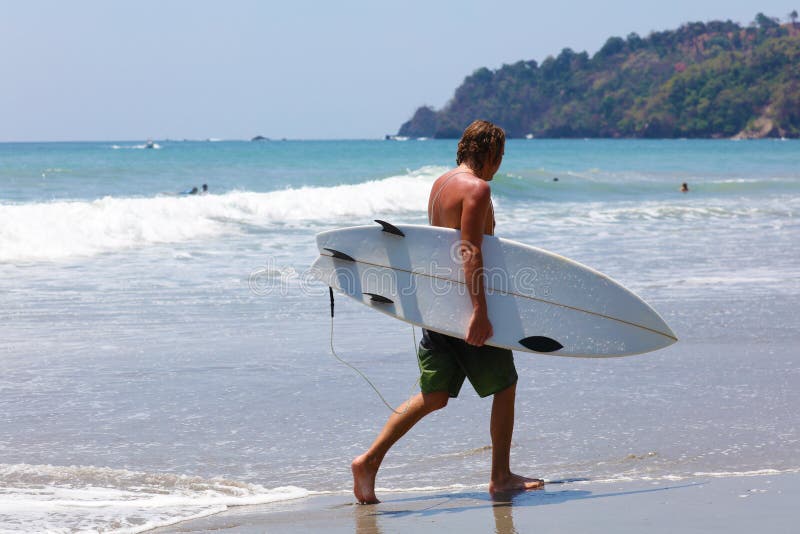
[502, 428]
[366, 466]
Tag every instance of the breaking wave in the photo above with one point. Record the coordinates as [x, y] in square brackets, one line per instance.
[62, 229]
[46, 498]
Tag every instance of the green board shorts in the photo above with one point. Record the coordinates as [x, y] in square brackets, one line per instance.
[445, 361]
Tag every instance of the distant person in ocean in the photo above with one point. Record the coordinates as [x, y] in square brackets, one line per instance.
[684, 187]
[205, 189]
[461, 199]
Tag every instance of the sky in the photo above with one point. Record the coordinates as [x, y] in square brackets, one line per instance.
[299, 69]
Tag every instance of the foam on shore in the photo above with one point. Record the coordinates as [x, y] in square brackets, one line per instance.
[46, 498]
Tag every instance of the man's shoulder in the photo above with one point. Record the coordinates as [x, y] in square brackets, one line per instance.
[462, 185]
[478, 189]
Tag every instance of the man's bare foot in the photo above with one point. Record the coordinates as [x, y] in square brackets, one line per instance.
[515, 483]
[364, 473]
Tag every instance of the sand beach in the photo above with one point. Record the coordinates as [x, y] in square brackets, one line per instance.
[735, 504]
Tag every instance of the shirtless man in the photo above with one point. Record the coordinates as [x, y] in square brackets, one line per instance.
[461, 199]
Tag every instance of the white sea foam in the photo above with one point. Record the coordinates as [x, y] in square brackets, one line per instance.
[675, 477]
[429, 489]
[44, 498]
[750, 473]
[725, 280]
[136, 147]
[646, 214]
[55, 230]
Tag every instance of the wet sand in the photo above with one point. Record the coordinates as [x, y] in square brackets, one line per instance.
[731, 505]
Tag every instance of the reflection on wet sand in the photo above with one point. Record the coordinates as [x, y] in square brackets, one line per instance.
[372, 519]
[503, 518]
[367, 518]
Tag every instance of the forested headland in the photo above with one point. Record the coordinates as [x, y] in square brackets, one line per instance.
[703, 80]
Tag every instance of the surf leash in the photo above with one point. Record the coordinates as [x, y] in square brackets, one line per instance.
[364, 376]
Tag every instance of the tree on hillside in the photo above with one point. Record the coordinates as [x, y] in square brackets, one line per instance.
[614, 45]
[634, 41]
[765, 23]
[793, 16]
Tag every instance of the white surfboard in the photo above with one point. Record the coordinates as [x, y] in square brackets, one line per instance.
[538, 301]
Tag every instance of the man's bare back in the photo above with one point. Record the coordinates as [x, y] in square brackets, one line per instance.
[445, 205]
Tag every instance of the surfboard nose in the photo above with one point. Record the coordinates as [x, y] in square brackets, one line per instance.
[656, 323]
[670, 333]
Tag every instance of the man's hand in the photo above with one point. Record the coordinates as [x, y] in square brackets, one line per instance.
[479, 328]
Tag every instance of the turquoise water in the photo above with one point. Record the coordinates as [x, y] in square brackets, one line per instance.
[164, 353]
[50, 171]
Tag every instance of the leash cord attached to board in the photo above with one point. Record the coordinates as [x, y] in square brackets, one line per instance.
[366, 379]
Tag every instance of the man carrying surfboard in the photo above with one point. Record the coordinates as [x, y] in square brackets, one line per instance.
[460, 199]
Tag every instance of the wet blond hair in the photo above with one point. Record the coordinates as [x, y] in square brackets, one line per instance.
[482, 143]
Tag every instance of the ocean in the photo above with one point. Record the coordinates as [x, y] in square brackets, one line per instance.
[166, 356]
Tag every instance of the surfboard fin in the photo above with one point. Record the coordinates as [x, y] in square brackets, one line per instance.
[340, 255]
[541, 344]
[390, 228]
[373, 297]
